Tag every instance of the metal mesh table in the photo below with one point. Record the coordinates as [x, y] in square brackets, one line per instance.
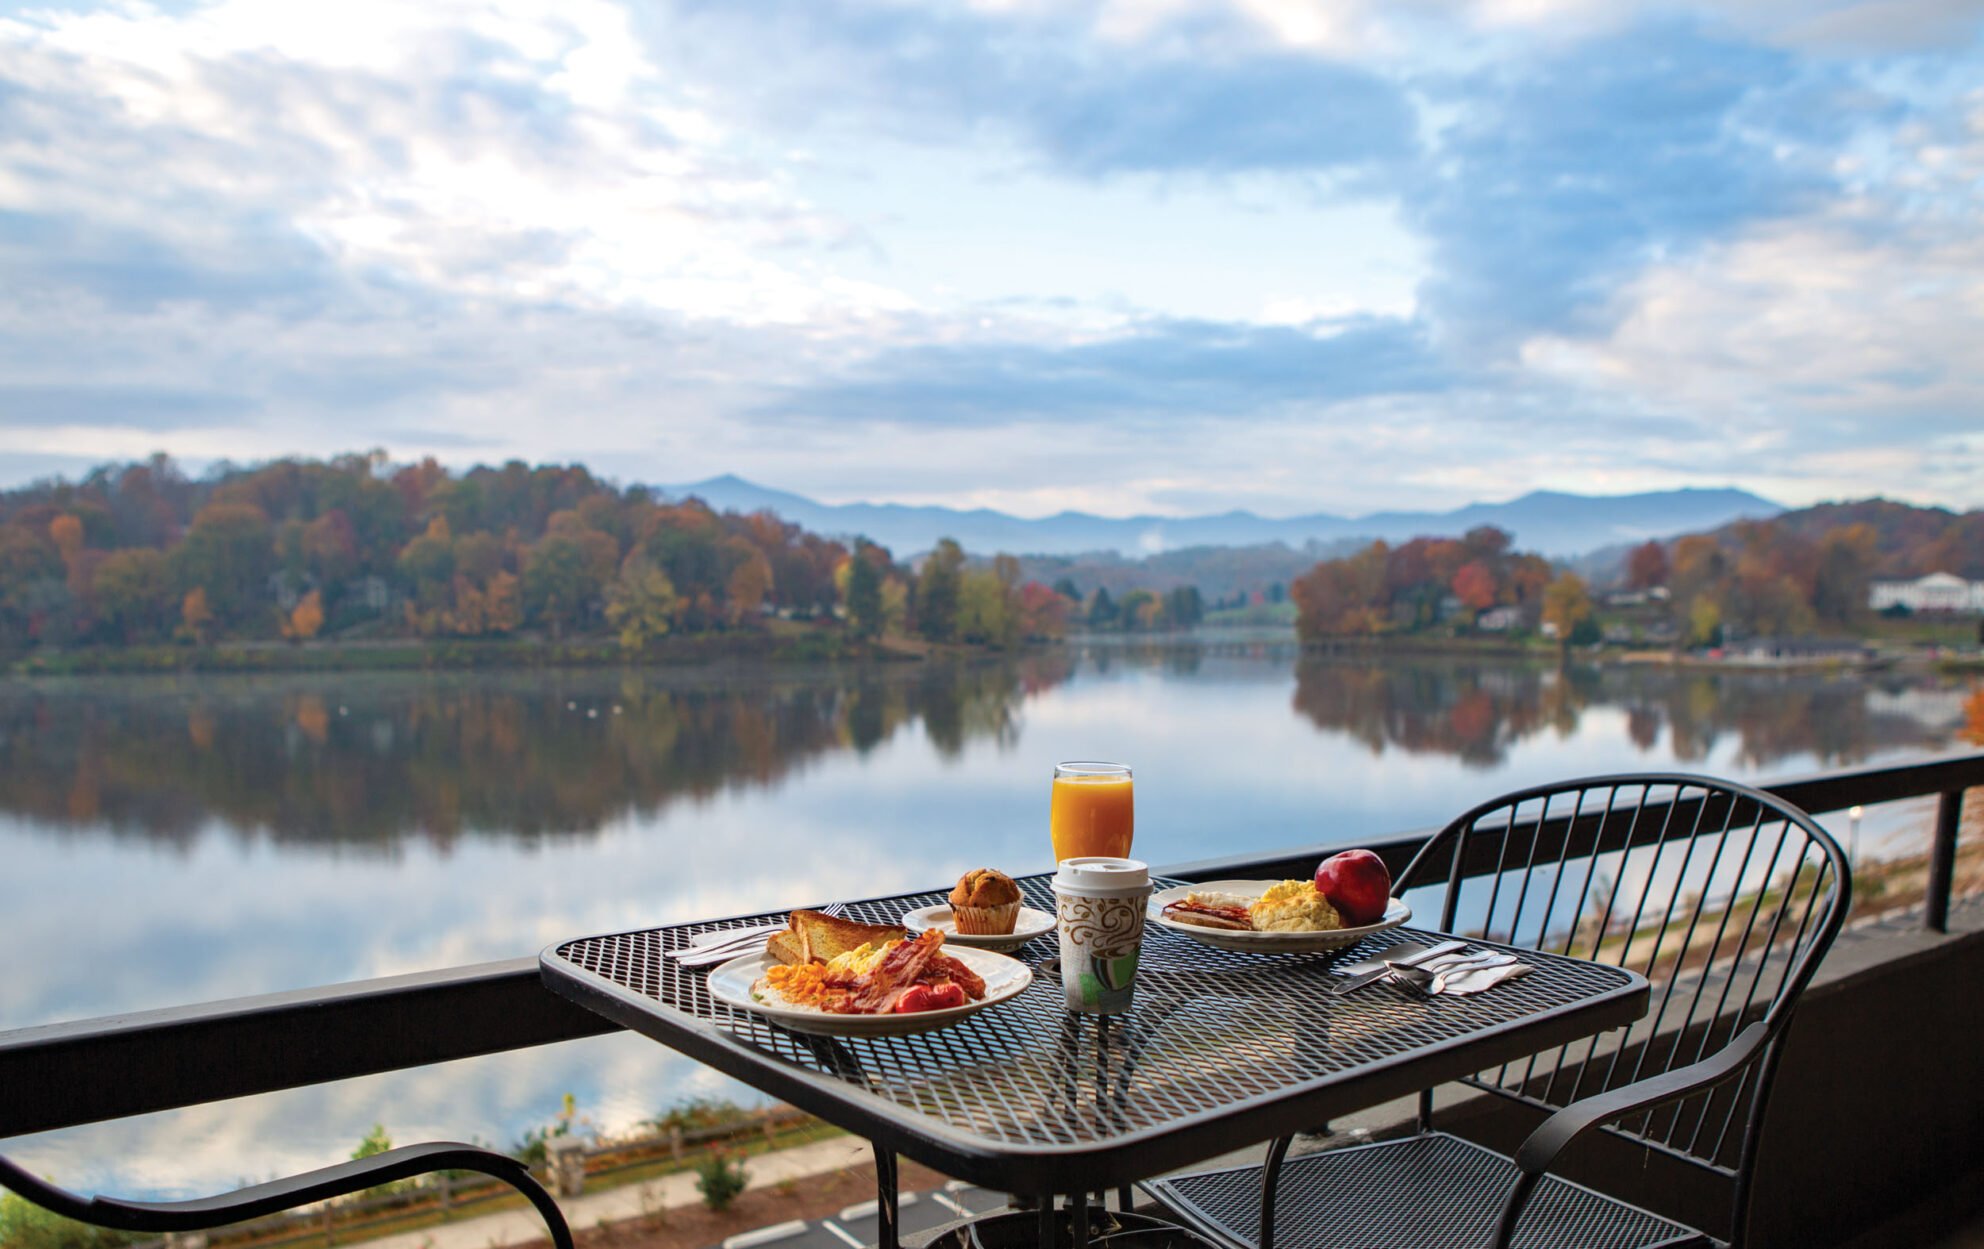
[1221, 1050]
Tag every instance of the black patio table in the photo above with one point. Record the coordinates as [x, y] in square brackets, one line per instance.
[1220, 1050]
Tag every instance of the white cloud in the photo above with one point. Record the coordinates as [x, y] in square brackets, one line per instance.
[508, 150]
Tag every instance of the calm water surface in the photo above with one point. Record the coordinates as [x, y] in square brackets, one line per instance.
[178, 840]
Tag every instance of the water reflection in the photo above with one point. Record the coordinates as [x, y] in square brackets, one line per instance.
[1477, 712]
[369, 761]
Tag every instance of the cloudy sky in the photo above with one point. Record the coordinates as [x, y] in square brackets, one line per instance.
[1130, 255]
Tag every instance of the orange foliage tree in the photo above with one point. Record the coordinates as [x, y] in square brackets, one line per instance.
[303, 623]
[195, 616]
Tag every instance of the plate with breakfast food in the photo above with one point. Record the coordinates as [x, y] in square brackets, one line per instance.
[984, 910]
[1349, 897]
[834, 976]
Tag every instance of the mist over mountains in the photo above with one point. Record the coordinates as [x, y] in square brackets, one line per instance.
[1555, 524]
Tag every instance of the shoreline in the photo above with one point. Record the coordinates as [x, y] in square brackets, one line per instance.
[416, 655]
[789, 644]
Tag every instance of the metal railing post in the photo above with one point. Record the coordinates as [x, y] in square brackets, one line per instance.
[1942, 861]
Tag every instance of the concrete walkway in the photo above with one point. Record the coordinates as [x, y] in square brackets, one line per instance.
[513, 1227]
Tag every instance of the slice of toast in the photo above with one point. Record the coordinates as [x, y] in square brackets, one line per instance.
[814, 937]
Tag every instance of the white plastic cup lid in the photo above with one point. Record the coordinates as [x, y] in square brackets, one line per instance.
[1102, 877]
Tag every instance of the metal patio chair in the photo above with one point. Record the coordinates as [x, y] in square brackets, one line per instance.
[1724, 896]
[201, 1214]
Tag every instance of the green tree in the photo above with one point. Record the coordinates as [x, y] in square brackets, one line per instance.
[376, 1142]
[1184, 607]
[229, 552]
[640, 603]
[864, 595]
[560, 583]
[26, 558]
[1704, 622]
[134, 597]
[1139, 610]
[937, 592]
[1101, 612]
[984, 615]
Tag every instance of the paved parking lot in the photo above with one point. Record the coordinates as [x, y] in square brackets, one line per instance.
[855, 1227]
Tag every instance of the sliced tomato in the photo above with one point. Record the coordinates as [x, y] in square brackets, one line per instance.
[946, 995]
[915, 998]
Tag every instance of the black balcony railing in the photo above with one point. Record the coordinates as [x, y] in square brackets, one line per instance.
[164, 1059]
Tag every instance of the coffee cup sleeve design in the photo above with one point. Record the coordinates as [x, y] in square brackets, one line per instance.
[1100, 942]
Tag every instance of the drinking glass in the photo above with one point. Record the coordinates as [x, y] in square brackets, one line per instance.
[1093, 812]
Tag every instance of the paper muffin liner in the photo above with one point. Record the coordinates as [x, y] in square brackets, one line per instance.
[986, 920]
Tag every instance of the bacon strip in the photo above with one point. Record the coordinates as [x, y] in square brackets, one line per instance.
[900, 968]
[970, 981]
[1185, 912]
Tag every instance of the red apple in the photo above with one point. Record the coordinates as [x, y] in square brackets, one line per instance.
[1356, 884]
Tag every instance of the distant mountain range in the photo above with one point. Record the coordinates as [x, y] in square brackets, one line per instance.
[1555, 524]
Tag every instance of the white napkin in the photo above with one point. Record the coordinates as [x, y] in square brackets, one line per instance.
[1465, 977]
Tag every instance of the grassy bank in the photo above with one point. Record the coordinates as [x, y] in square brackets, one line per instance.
[783, 643]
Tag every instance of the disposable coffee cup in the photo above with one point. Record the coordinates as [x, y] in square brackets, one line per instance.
[1099, 910]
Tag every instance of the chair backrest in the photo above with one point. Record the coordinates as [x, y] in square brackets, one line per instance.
[1724, 896]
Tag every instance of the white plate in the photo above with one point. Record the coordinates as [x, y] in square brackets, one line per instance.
[731, 984]
[1396, 913]
[1030, 924]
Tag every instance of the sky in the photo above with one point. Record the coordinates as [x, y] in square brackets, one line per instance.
[1120, 256]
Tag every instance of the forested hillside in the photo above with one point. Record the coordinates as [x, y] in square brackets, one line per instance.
[357, 546]
[1800, 573]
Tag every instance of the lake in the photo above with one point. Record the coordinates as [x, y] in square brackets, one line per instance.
[167, 841]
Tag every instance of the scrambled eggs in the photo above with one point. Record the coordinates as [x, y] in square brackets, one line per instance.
[1294, 906]
[859, 961]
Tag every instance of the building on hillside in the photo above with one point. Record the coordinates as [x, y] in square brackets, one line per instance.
[1937, 592]
[1499, 619]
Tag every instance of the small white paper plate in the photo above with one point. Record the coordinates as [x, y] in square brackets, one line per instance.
[1030, 924]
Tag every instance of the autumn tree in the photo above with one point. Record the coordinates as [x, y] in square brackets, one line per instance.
[1841, 580]
[303, 623]
[1697, 581]
[640, 604]
[1646, 566]
[749, 582]
[1043, 613]
[66, 532]
[1566, 606]
[1474, 585]
[1343, 597]
[196, 616]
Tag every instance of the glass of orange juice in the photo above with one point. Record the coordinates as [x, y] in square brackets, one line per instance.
[1093, 813]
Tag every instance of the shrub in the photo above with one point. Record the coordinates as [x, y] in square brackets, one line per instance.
[24, 1225]
[719, 1178]
[693, 1113]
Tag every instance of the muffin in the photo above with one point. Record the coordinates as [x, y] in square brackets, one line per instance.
[985, 902]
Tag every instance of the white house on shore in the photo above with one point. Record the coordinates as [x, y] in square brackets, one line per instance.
[1937, 592]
